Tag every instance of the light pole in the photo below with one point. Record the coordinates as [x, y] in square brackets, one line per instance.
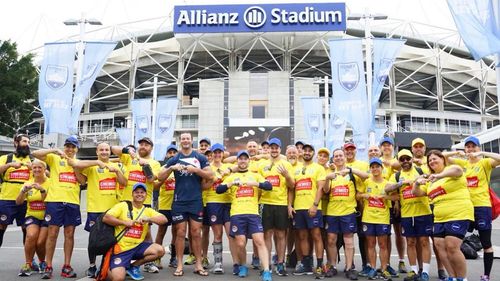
[155, 84]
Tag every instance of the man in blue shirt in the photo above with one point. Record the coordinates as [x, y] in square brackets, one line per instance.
[189, 168]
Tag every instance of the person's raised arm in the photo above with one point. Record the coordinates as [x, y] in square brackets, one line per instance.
[41, 154]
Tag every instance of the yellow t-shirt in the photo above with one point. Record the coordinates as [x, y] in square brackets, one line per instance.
[65, 187]
[306, 185]
[359, 165]
[342, 199]
[137, 233]
[166, 196]
[245, 199]
[254, 165]
[478, 177]
[212, 196]
[102, 188]
[411, 205]
[424, 166]
[451, 199]
[388, 171]
[279, 194]
[34, 202]
[375, 210]
[13, 178]
[134, 174]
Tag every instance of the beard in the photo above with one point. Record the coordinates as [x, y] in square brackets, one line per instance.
[22, 151]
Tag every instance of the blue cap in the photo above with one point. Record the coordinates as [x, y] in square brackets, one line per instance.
[217, 146]
[72, 140]
[172, 146]
[387, 139]
[275, 141]
[376, 160]
[472, 139]
[242, 152]
[207, 140]
[139, 185]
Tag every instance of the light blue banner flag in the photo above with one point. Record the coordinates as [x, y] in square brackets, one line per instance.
[55, 86]
[166, 113]
[93, 60]
[362, 142]
[124, 135]
[478, 22]
[385, 52]
[141, 110]
[313, 120]
[348, 83]
[336, 130]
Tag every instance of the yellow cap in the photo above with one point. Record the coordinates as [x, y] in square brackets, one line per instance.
[417, 140]
[324, 149]
[404, 152]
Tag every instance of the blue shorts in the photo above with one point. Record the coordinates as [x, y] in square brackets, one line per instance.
[341, 224]
[374, 229]
[183, 211]
[62, 214]
[451, 228]
[168, 215]
[91, 219]
[218, 213]
[245, 225]
[302, 220]
[123, 259]
[9, 212]
[417, 226]
[206, 220]
[30, 220]
[482, 219]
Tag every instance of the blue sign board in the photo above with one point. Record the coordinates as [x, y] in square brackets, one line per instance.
[260, 18]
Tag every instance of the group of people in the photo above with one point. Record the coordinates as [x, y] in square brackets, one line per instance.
[307, 202]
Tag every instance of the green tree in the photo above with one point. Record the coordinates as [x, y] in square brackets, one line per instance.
[18, 88]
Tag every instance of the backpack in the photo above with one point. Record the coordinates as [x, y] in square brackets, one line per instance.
[418, 169]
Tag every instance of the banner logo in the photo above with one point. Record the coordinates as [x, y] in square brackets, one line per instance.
[56, 76]
[348, 75]
[255, 17]
[164, 122]
[143, 123]
[385, 67]
[88, 72]
[313, 122]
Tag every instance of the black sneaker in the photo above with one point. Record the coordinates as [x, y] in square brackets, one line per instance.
[91, 271]
[351, 274]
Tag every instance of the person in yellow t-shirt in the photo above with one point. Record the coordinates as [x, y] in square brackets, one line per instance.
[34, 193]
[416, 214]
[478, 173]
[292, 156]
[103, 178]
[244, 187]
[135, 226]
[446, 187]
[376, 216]
[62, 203]
[418, 150]
[300, 149]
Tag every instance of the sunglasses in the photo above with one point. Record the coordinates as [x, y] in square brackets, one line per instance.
[405, 159]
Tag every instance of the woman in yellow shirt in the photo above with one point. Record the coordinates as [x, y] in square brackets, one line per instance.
[34, 192]
[446, 188]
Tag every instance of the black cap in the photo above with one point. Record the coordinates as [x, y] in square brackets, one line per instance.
[146, 139]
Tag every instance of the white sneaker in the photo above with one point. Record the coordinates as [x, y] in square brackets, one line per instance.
[217, 269]
[151, 267]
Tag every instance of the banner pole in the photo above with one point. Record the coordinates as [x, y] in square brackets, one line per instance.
[497, 70]
[369, 74]
[155, 98]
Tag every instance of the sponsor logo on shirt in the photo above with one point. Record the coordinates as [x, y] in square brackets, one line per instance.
[274, 180]
[376, 202]
[169, 184]
[135, 231]
[244, 191]
[68, 177]
[137, 176]
[191, 161]
[472, 181]
[407, 194]
[303, 184]
[20, 174]
[216, 183]
[341, 190]
[37, 205]
[107, 184]
[437, 192]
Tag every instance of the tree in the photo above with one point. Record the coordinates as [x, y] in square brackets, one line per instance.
[18, 88]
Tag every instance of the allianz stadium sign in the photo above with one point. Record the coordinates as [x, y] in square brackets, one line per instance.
[260, 18]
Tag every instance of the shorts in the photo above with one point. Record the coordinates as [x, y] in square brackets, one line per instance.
[183, 211]
[218, 213]
[302, 220]
[62, 214]
[9, 212]
[245, 225]
[451, 228]
[394, 218]
[374, 229]
[123, 259]
[482, 219]
[91, 219]
[274, 217]
[341, 224]
[419, 226]
[206, 220]
[30, 220]
[168, 215]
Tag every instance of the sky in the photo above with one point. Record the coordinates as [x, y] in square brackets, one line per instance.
[31, 23]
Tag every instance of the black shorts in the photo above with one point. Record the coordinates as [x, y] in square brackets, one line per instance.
[275, 217]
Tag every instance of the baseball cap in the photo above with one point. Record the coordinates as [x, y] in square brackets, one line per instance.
[264, 142]
[404, 152]
[208, 151]
[418, 140]
[308, 145]
[72, 140]
[376, 160]
[139, 185]
[207, 140]
[146, 139]
[472, 139]
[217, 146]
[387, 139]
[275, 141]
[324, 149]
[299, 142]
[242, 152]
[172, 146]
[349, 144]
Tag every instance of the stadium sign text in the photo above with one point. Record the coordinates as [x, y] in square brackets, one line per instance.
[260, 18]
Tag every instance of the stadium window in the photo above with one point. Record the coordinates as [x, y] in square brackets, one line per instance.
[259, 112]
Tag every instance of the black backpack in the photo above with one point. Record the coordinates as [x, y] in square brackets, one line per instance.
[102, 236]
[419, 171]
